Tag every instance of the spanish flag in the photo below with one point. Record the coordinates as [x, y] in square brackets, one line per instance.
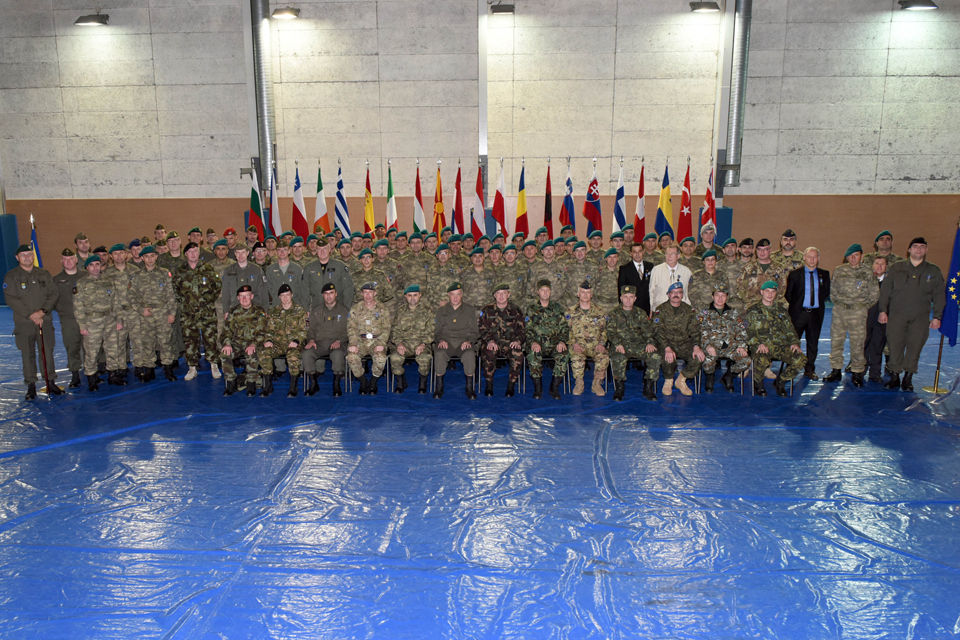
[368, 221]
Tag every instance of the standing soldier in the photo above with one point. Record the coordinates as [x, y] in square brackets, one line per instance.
[547, 331]
[510, 270]
[416, 262]
[243, 273]
[370, 273]
[705, 281]
[412, 335]
[368, 331]
[580, 269]
[607, 280]
[547, 268]
[595, 240]
[326, 336]
[587, 339]
[676, 330]
[455, 334]
[121, 275]
[220, 263]
[197, 286]
[883, 245]
[153, 300]
[688, 255]
[787, 254]
[477, 280]
[501, 334]
[96, 305]
[729, 262]
[285, 337]
[66, 282]
[708, 233]
[631, 336]
[323, 271]
[771, 336]
[755, 274]
[724, 338]
[298, 252]
[348, 255]
[440, 276]
[32, 296]
[243, 333]
[853, 291]
[651, 249]
[173, 258]
[383, 261]
[284, 271]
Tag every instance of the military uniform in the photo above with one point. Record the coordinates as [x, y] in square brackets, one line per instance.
[69, 327]
[127, 315]
[754, 275]
[791, 262]
[456, 326]
[657, 257]
[169, 262]
[732, 271]
[385, 292]
[327, 326]
[595, 256]
[501, 326]
[478, 285]
[235, 276]
[514, 275]
[906, 297]
[316, 275]
[368, 329]
[633, 331]
[411, 328]
[868, 258]
[27, 292]
[283, 327]
[702, 285]
[588, 328]
[772, 327]
[577, 272]
[415, 267]
[555, 272]
[393, 270]
[197, 292]
[725, 331]
[702, 249]
[304, 260]
[293, 278]
[244, 327]
[220, 266]
[693, 262]
[97, 307]
[153, 290]
[853, 291]
[548, 327]
[439, 277]
[352, 264]
[606, 293]
[679, 329]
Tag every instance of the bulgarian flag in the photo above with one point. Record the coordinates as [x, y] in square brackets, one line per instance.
[256, 205]
[391, 201]
[299, 221]
[439, 219]
[419, 220]
[320, 218]
[368, 221]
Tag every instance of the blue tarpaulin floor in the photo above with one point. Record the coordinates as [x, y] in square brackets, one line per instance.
[167, 511]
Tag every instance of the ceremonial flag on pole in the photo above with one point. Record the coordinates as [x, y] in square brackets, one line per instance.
[548, 207]
[419, 219]
[521, 225]
[299, 219]
[439, 219]
[620, 206]
[341, 213]
[478, 224]
[391, 201]
[275, 226]
[320, 210]
[566, 209]
[664, 220]
[709, 214]
[499, 205]
[457, 217]
[685, 224]
[368, 221]
[639, 217]
[948, 325]
[591, 206]
[256, 205]
[37, 260]
[268, 214]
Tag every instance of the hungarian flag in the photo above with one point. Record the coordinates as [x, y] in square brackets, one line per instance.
[639, 217]
[548, 207]
[419, 220]
[522, 226]
[685, 224]
[566, 210]
[478, 222]
[439, 219]
[709, 213]
[320, 218]
[341, 213]
[256, 205]
[499, 205]
[368, 221]
[591, 206]
[457, 217]
[299, 220]
[391, 202]
[620, 206]
[664, 220]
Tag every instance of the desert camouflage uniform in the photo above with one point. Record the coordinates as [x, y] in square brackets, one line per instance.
[588, 328]
[853, 291]
[368, 329]
[97, 306]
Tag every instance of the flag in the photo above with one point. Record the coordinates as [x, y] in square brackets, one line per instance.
[298, 221]
[419, 220]
[457, 217]
[341, 213]
[548, 207]
[439, 219]
[948, 325]
[591, 206]
[391, 202]
[478, 223]
[521, 225]
[499, 205]
[368, 221]
[268, 218]
[37, 260]
[256, 205]
[320, 211]
[566, 209]
[709, 213]
[620, 206]
[639, 218]
[685, 224]
[664, 220]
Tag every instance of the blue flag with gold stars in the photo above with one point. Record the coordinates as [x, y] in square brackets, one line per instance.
[948, 326]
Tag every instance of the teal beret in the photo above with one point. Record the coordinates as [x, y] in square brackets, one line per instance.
[342, 242]
[356, 234]
[312, 236]
[503, 286]
[381, 243]
[853, 249]
[365, 252]
[287, 233]
[650, 236]
[517, 235]
[456, 237]
[769, 284]
[665, 233]
[465, 236]
[689, 239]
[378, 225]
[454, 286]
[219, 243]
[295, 240]
[118, 247]
[332, 234]
[414, 288]
[883, 233]
[445, 229]
[540, 230]
[194, 230]
[629, 226]
[497, 247]
[367, 236]
[149, 249]
[610, 252]
[476, 251]
[729, 241]
[414, 236]
[485, 237]
[430, 235]
[402, 234]
[709, 254]
[529, 243]
[510, 247]
[548, 243]
[499, 235]
[580, 244]
[443, 247]
[573, 239]
[565, 227]
[274, 238]
[90, 260]
[616, 234]
[595, 234]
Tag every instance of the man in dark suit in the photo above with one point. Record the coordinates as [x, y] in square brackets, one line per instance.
[807, 291]
[636, 273]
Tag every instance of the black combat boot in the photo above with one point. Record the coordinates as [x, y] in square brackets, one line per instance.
[893, 382]
[438, 388]
[758, 389]
[649, 389]
[251, 388]
[231, 387]
[471, 394]
[74, 379]
[312, 386]
[93, 382]
[364, 385]
[400, 384]
[169, 374]
[337, 391]
[101, 369]
[727, 380]
[835, 376]
[53, 390]
[31, 391]
[139, 374]
[267, 386]
[372, 389]
[781, 386]
[555, 387]
[709, 379]
[857, 379]
[907, 384]
[537, 388]
[294, 383]
[619, 387]
[511, 388]
[423, 383]
[488, 387]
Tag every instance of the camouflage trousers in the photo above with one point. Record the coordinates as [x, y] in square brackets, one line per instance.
[488, 359]
[367, 348]
[795, 362]
[221, 322]
[423, 360]
[854, 322]
[129, 336]
[156, 334]
[619, 361]
[682, 352]
[740, 363]
[313, 358]
[239, 357]
[102, 333]
[202, 327]
[266, 355]
[578, 362]
[535, 361]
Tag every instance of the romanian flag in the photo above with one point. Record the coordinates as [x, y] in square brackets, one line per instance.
[368, 221]
[522, 225]
[439, 219]
[665, 207]
[256, 205]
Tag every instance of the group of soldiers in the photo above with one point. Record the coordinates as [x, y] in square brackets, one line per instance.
[255, 308]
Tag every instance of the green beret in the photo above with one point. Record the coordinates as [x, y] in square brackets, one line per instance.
[629, 226]
[296, 240]
[709, 254]
[380, 243]
[543, 282]
[610, 252]
[580, 244]
[147, 250]
[356, 234]
[90, 260]
[443, 247]
[194, 230]
[465, 236]
[548, 243]
[378, 225]
[883, 233]
[616, 234]
[769, 284]
[497, 247]
[485, 237]
[855, 247]
[430, 235]
[517, 235]
[650, 236]
[287, 233]
[729, 241]
[540, 230]
[219, 243]
[476, 251]
[572, 239]
[332, 234]
[454, 286]
[503, 286]
[510, 247]
[445, 229]
[274, 238]
[312, 236]
[566, 227]
[499, 235]
[689, 239]
[364, 253]
[456, 237]
[367, 236]
[529, 243]
[342, 242]
[595, 234]
[401, 234]
[414, 288]
[665, 233]
[118, 247]
[415, 236]
[628, 288]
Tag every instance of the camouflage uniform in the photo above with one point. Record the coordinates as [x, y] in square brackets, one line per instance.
[547, 326]
[772, 327]
[702, 285]
[128, 316]
[657, 257]
[327, 326]
[219, 266]
[478, 286]
[588, 328]
[515, 276]
[304, 260]
[275, 278]
[415, 268]
[411, 328]
[197, 292]
[732, 271]
[385, 292]
[794, 261]
[501, 326]
[605, 288]
[868, 258]
[353, 264]
[97, 305]
[283, 327]
[752, 278]
[633, 331]
[366, 330]
[679, 329]
[439, 277]
[244, 327]
[461, 260]
[577, 272]
[725, 331]
[169, 262]
[701, 249]
[853, 291]
[595, 256]
[153, 290]
[393, 270]
[693, 263]
[555, 272]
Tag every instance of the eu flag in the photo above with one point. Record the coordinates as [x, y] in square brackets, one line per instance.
[948, 326]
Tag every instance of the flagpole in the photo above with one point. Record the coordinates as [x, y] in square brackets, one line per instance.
[935, 389]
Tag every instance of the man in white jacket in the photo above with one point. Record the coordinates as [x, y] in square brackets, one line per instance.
[665, 274]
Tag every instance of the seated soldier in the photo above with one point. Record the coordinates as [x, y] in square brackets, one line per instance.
[243, 333]
[724, 337]
[326, 336]
[456, 334]
[412, 335]
[588, 339]
[677, 332]
[286, 335]
[547, 330]
[368, 330]
[771, 336]
[501, 334]
[631, 336]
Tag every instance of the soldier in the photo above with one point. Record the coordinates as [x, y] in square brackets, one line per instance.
[908, 292]
[746, 250]
[401, 245]
[82, 243]
[501, 334]
[580, 269]
[688, 257]
[260, 258]
[31, 294]
[455, 334]
[326, 336]
[854, 290]
[66, 282]
[666, 274]
[298, 252]
[628, 236]
[595, 252]
[197, 286]
[416, 262]
[651, 249]
[312, 240]
[455, 242]
[412, 335]
[129, 337]
[724, 337]
[326, 270]
[754, 274]
[708, 234]
[549, 269]
[159, 233]
[220, 263]
[606, 281]
[493, 258]
[134, 250]
[368, 330]
[194, 235]
[883, 245]
[729, 263]
[511, 270]
[243, 273]
[704, 282]
[771, 336]
[347, 257]
[566, 231]
[616, 242]
[370, 273]
[97, 306]
[631, 336]
[478, 281]
[430, 243]
[383, 261]
[286, 272]
[285, 336]
[152, 299]
[529, 248]
[230, 235]
[243, 333]
[547, 331]
[440, 276]
[587, 339]
[787, 255]
[676, 330]
[211, 239]
[173, 258]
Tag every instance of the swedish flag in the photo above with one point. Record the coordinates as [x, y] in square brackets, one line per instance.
[664, 220]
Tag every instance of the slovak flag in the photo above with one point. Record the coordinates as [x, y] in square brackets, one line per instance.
[591, 206]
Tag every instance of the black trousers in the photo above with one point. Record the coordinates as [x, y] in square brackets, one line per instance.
[875, 342]
[808, 323]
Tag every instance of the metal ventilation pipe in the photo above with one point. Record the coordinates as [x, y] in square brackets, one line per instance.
[263, 78]
[738, 91]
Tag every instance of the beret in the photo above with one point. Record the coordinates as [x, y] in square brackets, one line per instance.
[853, 249]
[476, 251]
[650, 236]
[595, 234]
[543, 283]
[675, 285]
[365, 252]
[413, 288]
[328, 287]
[709, 254]
[90, 260]
[454, 286]
[118, 247]
[147, 250]
[219, 243]
[371, 286]
[284, 288]
[610, 252]
[769, 284]
[381, 243]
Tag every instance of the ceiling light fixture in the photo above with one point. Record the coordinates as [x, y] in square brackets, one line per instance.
[501, 8]
[96, 20]
[918, 5]
[287, 13]
[704, 7]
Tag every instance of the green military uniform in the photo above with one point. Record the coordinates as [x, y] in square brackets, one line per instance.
[752, 277]
[69, 328]
[548, 327]
[276, 277]
[368, 329]
[393, 270]
[906, 296]
[791, 262]
[657, 257]
[220, 266]
[235, 276]
[439, 277]
[633, 331]
[588, 328]
[732, 271]
[415, 267]
[244, 327]
[97, 306]
[169, 262]
[701, 286]
[605, 288]
[702, 249]
[316, 275]
[411, 328]
[477, 285]
[853, 291]
[304, 260]
[353, 264]
[679, 329]
[284, 326]
[501, 326]
[595, 256]
[868, 258]
[328, 325]
[514, 275]
[27, 292]
[693, 262]
[197, 291]
[153, 290]
[456, 326]
[725, 331]
[577, 272]
[771, 326]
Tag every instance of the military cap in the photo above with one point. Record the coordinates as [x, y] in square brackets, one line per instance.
[356, 234]
[209, 231]
[159, 227]
[708, 254]
[579, 244]
[729, 241]
[476, 251]
[145, 240]
[665, 233]
[219, 243]
[134, 243]
[616, 234]
[329, 286]
[595, 234]
[191, 245]
[413, 288]
[585, 284]
[628, 288]
[367, 236]
[239, 247]
[430, 235]
[172, 234]
[708, 227]
[610, 252]
[364, 253]
[379, 225]
[788, 234]
[503, 286]
[443, 247]
[147, 250]
[917, 240]
[769, 284]
[445, 229]
[391, 230]
[572, 239]
[284, 288]
[252, 228]
[89, 261]
[629, 226]
[332, 234]
[25, 247]
[454, 286]
[721, 287]
[465, 236]
[100, 249]
[245, 288]
[517, 235]
[229, 231]
[286, 234]
[296, 240]
[763, 242]
[322, 242]
[883, 233]
[540, 230]
[497, 247]
[510, 247]
[258, 245]
[372, 286]
[160, 243]
[688, 239]
[118, 247]
[543, 282]
[416, 236]
[194, 230]
[529, 243]
[456, 237]
[312, 236]
[855, 247]
[67, 252]
[565, 227]
[746, 242]
[675, 285]
[548, 243]
[401, 234]
[486, 237]
[342, 242]
[381, 243]
[650, 236]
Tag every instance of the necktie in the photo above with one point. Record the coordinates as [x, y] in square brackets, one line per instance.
[672, 272]
[810, 288]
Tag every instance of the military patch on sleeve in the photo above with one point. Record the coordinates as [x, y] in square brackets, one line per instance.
[5, 285]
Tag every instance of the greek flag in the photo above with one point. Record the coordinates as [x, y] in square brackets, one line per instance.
[342, 214]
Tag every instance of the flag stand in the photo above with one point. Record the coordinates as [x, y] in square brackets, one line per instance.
[936, 389]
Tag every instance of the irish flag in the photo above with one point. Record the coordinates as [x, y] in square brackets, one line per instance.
[320, 218]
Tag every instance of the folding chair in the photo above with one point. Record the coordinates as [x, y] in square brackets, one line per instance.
[391, 377]
[552, 361]
[753, 372]
[455, 359]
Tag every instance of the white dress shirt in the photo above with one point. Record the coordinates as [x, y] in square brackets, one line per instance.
[662, 277]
